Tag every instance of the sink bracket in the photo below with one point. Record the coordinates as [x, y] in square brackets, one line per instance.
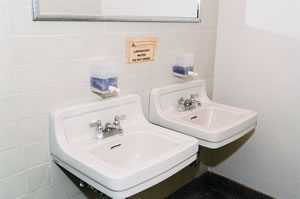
[197, 161]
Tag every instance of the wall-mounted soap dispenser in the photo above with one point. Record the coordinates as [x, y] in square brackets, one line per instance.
[184, 65]
[104, 78]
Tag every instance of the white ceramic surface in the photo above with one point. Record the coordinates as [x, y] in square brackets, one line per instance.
[258, 58]
[121, 165]
[214, 125]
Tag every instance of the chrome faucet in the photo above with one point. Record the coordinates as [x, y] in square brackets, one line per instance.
[188, 104]
[109, 129]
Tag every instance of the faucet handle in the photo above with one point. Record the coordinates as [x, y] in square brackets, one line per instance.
[95, 123]
[118, 118]
[193, 96]
[198, 103]
[181, 101]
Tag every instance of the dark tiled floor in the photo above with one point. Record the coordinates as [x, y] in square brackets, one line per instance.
[212, 186]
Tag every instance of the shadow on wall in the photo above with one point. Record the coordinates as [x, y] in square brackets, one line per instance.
[85, 192]
[223, 153]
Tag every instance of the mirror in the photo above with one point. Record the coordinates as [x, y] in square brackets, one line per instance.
[117, 10]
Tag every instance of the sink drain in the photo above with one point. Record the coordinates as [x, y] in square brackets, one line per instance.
[115, 146]
[195, 117]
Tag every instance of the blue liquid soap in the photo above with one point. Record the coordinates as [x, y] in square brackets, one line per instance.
[183, 70]
[103, 84]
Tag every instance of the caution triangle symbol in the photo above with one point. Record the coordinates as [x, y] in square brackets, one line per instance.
[133, 45]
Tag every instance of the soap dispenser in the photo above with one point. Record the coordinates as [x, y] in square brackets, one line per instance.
[103, 78]
[184, 65]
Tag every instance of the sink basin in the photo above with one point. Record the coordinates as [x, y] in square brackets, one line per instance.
[133, 150]
[212, 117]
[124, 164]
[213, 124]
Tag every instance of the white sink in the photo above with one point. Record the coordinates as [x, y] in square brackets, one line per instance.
[213, 124]
[121, 165]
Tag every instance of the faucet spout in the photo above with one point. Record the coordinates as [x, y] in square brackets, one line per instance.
[188, 104]
[109, 129]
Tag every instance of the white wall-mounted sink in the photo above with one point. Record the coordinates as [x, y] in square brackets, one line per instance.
[121, 165]
[213, 124]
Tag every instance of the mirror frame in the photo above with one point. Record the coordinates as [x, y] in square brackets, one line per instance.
[37, 16]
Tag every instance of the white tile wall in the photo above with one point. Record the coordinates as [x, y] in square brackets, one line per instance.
[28, 78]
[34, 130]
[9, 137]
[44, 193]
[5, 51]
[38, 177]
[7, 81]
[12, 162]
[44, 65]
[9, 109]
[36, 154]
[13, 186]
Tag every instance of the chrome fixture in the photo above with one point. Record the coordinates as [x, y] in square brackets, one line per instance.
[99, 128]
[109, 129]
[82, 184]
[48, 10]
[188, 104]
[197, 161]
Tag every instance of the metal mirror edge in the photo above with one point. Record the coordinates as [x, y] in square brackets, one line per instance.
[37, 16]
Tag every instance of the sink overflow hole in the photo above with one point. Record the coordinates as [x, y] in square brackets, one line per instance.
[195, 117]
[115, 146]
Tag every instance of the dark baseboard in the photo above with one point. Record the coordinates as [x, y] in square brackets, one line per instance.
[213, 186]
